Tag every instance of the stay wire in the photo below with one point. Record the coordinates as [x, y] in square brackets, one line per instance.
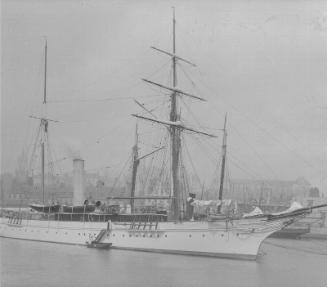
[190, 159]
[308, 163]
[121, 172]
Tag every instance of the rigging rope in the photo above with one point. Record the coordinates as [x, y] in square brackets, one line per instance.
[34, 147]
[251, 121]
[121, 172]
[190, 159]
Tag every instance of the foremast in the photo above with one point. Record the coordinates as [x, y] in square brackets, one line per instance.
[44, 122]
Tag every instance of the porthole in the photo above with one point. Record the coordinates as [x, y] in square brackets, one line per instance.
[203, 235]
[130, 235]
[79, 234]
[165, 235]
[190, 235]
[150, 235]
[237, 234]
[158, 235]
[222, 235]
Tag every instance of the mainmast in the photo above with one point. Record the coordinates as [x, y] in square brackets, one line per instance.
[175, 135]
[174, 124]
[136, 162]
[222, 172]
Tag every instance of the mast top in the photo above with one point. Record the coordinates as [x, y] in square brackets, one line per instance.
[225, 122]
[45, 70]
[173, 7]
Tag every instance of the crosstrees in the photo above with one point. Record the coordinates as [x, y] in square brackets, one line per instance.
[174, 90]
[173, 55]
[176, 124]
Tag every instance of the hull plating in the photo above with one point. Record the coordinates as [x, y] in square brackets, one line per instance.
[191, 238]
[51, 231]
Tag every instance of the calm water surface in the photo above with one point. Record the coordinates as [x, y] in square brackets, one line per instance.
[281, 263]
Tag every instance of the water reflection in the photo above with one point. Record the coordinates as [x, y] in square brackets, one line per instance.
[282, 262]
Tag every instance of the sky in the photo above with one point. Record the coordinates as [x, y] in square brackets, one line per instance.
[264, 63]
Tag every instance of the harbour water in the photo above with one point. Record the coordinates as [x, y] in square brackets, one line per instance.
[281, 263]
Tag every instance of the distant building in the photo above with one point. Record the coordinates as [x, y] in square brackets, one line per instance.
[265, 192]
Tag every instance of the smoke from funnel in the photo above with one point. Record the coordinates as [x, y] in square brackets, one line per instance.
[73, 148]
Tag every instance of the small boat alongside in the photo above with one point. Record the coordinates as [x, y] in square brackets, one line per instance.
[99, 245]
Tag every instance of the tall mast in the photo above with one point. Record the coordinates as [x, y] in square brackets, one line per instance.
[134, 172]
[222, 172]
[44, 122]
[42, 135]
[45, 72]
[175, 134]
[174, 124]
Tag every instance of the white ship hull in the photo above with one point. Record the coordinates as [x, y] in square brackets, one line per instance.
[193, 238]
[51, 231]
[240, 239]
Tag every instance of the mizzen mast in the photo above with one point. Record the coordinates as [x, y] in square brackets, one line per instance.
[136, 162]
[223, 163]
